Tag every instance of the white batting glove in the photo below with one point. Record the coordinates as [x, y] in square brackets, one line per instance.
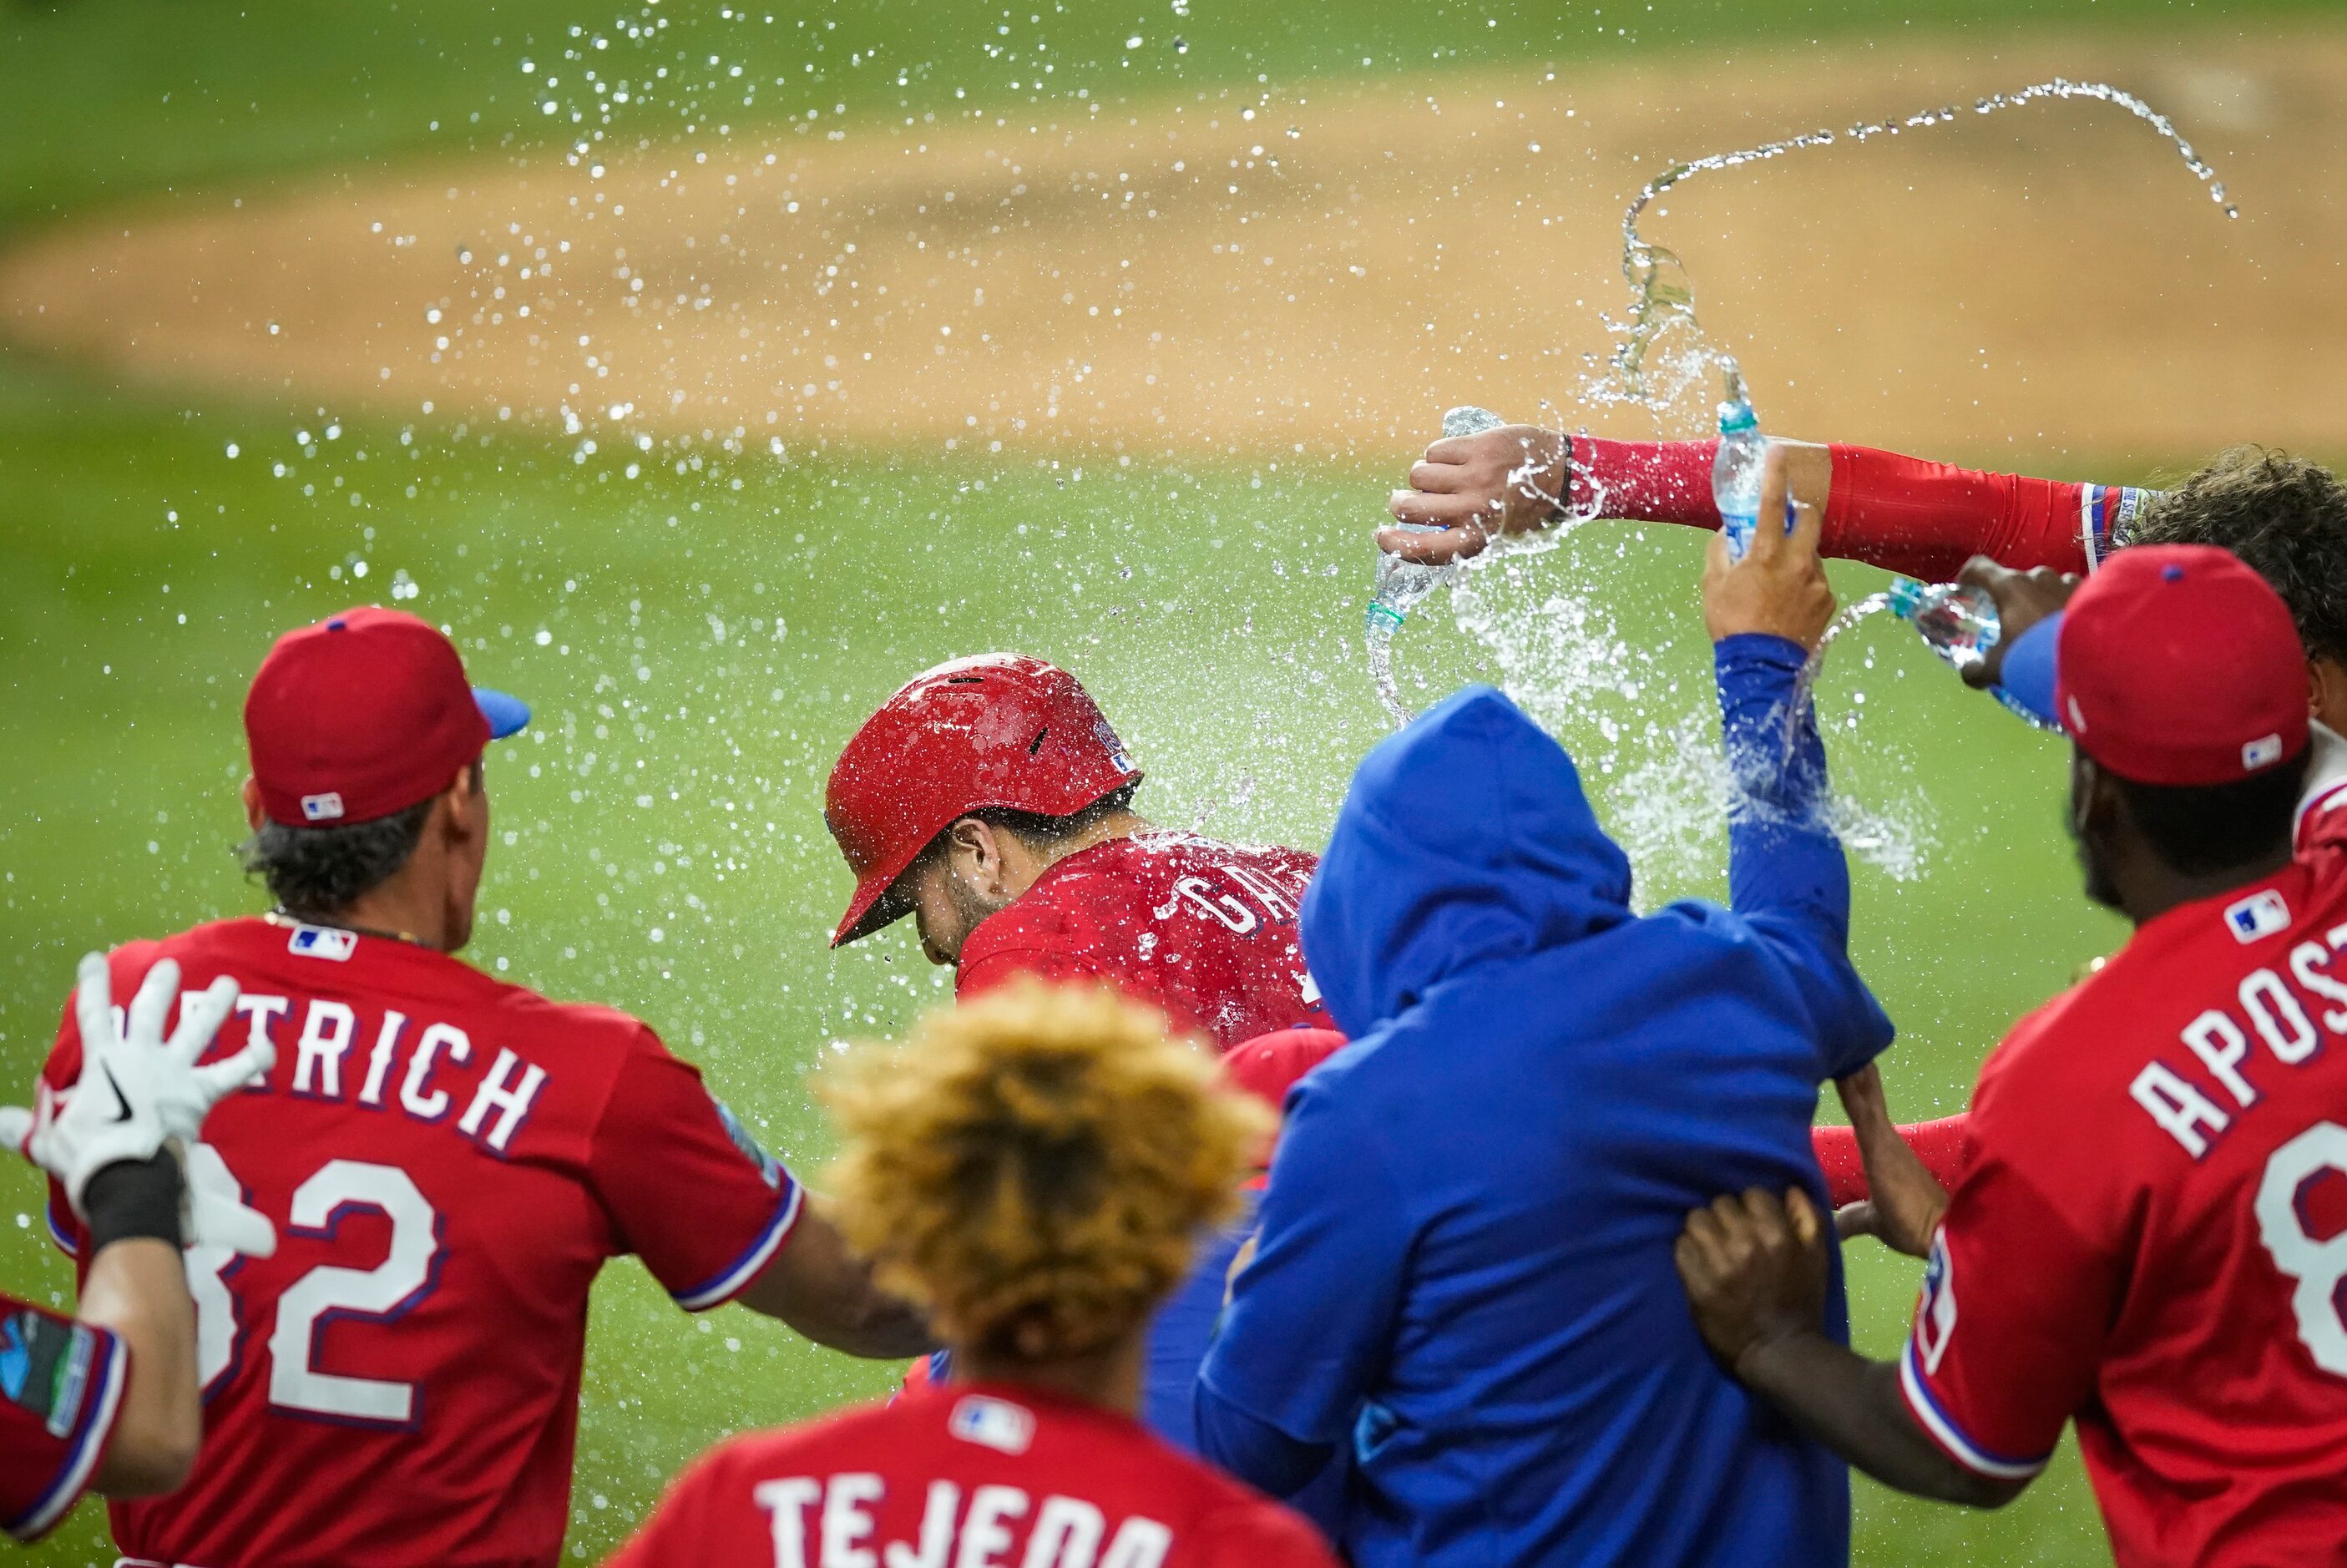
[139, 1091]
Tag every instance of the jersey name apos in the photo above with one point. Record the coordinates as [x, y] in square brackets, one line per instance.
[2234, 1049]
[830, 1524]
[426, 1069]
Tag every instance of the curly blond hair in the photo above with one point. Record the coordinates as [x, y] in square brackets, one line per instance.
[1034, 1167]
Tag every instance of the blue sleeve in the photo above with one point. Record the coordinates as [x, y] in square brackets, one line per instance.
[1311, 1320]
[1256, 1452]
[1785, 874]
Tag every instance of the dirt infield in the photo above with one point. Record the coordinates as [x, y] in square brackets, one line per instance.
[1324, 273]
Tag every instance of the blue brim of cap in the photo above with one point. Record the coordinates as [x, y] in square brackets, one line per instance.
[2029, 669]
[507, 714]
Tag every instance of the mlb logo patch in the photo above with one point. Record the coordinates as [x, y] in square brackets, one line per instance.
[2259, 914]
[323, 942]
[995, 1424]
[326, 808]
[2261, 753]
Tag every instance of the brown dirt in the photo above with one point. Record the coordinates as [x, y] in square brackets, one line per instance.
[1326, 274]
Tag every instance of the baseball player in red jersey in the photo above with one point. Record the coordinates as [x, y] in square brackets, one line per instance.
[1035, 1166]
[991, 800]
[450, 1160]
[2150, 1235]
[107, 1401]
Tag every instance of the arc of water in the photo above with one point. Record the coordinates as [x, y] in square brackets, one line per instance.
[1661, 294]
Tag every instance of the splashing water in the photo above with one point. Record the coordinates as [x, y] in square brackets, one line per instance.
[1401, 584]
[1806, 683]
[1643, 372]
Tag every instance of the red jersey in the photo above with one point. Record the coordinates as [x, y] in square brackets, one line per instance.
[2150, 1235]
[1205, 931]
[960, 1475]
[60, 1386]
[449, 1161]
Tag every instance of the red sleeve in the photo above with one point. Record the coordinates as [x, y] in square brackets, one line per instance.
[1261, 1533]
[1922, 518]
[692, 1194]
[60, 1387]
[2010, 1325]
[1942, 1147]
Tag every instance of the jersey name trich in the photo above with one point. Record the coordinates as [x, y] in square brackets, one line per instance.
[1206, 931]
[2150, 1235]
[449, 1161]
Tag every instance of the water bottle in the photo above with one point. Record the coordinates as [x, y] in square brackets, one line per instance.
[1402, 583]
[1959, 623]
[1736, 472]
[1956, 621]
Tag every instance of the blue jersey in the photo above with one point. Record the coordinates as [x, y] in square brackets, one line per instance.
[1465, 1272]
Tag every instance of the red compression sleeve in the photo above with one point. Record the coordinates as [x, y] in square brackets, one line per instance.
[1925, 519]
[1942, 1145]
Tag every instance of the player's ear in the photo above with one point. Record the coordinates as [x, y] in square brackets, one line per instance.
[253, 815]
[2326, 686]
[972, 848]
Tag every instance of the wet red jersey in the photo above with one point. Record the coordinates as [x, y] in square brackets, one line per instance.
[449, 1161]
[2150, 1235]
[1205, 931]
[60, 1387]
[957, 1474]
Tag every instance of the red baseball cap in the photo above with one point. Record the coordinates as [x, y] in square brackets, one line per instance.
[363, 714]
[997, 730]
[2173, 664]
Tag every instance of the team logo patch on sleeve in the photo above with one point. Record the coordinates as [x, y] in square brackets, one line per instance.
[2259, 914]
[997, 1424]
[44, 1365]
[770, 1170]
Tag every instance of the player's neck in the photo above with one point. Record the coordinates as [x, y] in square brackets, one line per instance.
[1026, 859]
[412, 905]
[2150, 889]
[1109, 1378]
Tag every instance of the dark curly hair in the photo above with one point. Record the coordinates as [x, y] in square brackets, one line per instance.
[2285, 516]
[316, 873]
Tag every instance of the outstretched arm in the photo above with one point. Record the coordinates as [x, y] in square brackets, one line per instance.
[1785, 874]
[1903, 513]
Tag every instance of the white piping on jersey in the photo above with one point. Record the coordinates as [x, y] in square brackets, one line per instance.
[95, 1428]
[1951, 1437]
[723, 1288]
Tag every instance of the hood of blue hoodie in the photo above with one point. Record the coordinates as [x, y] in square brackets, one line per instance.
[1465, 838]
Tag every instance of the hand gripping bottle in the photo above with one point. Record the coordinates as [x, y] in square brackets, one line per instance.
[1958, 622]
[1402, 583]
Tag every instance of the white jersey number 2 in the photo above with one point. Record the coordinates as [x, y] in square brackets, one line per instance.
[2319, 1267]
[326, 1293]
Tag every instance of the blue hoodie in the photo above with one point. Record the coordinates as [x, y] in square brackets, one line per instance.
[1465, 1266]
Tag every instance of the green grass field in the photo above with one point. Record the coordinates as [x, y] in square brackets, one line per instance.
[698, 644]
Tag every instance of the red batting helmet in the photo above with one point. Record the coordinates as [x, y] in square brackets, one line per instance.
[998, 730]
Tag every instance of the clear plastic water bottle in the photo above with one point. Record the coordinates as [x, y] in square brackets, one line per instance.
[1402, 583]
[1957, 623]
[1736, 472]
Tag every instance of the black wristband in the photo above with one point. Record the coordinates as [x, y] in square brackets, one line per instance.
[133, 1198]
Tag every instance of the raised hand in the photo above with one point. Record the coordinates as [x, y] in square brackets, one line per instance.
[140, 1091]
